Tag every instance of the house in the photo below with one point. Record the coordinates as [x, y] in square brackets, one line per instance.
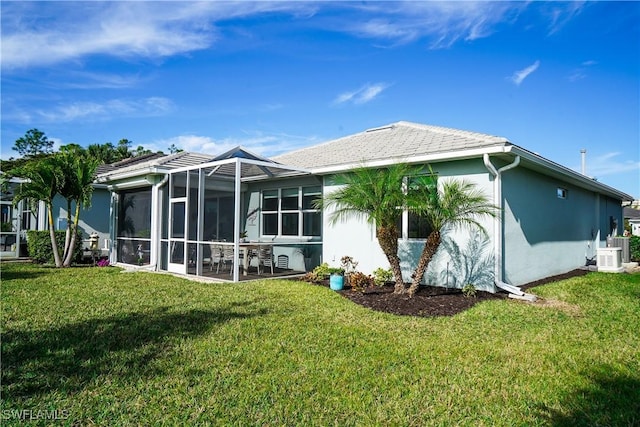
[178, 212]
[18, 218]
[175, 213]
[633, 216]
[537, 235]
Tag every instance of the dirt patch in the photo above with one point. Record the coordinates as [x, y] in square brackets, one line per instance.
[432, 301]
[570, 309]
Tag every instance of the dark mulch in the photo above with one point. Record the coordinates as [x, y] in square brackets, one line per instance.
[432, 301]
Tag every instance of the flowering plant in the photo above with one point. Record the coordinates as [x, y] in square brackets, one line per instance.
[103, 263]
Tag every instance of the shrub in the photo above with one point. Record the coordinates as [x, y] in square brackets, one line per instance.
[39, 246]
[348, 264]
[469, 290]
[382, 276]
[104, 262]
[359, 281]
[634, 248]
[311, 277]
[322, 270]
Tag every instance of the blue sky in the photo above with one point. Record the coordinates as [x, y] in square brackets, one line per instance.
[552, 77]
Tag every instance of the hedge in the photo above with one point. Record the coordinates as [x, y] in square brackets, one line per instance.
[39, 246]
[634, 248]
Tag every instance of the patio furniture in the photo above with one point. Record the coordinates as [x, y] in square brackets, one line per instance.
[265, 257]
[227, 257]
[283, 262]
[7, 241]
[215, 257]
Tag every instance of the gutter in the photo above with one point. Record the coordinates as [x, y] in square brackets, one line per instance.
[427, 158]
[498, 238]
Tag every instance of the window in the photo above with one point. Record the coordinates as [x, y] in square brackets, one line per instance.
[417, 226]
[26, 215]
[270, 212]
[290, 212]
[561, 192]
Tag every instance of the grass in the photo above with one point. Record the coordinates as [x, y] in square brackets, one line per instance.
[102, 347]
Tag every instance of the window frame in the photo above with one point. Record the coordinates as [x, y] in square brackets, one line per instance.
[405, 224]
[286, 210]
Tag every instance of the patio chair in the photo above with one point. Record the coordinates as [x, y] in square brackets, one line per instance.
[216, 257]
[283, 262]
[7, 241]
[265, 258]
[227, 257]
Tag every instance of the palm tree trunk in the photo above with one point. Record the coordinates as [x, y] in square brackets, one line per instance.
[429, 250]
[52, 235]
[388, 240]
[67, 236]
[74, 234]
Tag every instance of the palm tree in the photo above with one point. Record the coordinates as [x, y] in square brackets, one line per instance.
[378, 196]
[79, 170]
[44, 177]
[457, 204]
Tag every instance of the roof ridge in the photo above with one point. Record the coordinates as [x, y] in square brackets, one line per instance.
[449, 130]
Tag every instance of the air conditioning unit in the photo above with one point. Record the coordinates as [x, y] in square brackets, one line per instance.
[610, 260]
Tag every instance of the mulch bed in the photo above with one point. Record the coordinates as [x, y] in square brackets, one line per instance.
[432, 301]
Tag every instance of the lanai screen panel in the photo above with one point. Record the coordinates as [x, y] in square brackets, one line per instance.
[134, 226]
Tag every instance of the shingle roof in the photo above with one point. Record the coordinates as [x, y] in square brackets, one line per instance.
[131, 161]
[630, 213]
[399, 140]
[171, 161]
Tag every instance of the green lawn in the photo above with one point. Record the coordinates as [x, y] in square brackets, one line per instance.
[102, 347]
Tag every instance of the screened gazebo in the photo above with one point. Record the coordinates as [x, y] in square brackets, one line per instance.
[228, 217]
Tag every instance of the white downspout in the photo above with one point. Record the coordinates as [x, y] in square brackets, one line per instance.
[155, 223]
[497, 201]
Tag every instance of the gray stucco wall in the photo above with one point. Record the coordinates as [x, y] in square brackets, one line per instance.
[546, 235]
[96, 218]
[357, 238]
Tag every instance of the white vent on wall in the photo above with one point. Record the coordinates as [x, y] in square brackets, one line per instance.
[610, 260]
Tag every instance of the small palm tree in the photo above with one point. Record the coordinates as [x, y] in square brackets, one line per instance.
[79, 170]
[44, 177]
[378, 196]
[457, 204]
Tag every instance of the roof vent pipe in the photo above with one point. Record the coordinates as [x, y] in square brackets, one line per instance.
[583, 155]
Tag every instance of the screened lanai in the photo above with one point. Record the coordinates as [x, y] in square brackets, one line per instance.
[238, 216]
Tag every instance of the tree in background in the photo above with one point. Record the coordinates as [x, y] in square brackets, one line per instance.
[33, 143]
[173, 149]
[105, 153]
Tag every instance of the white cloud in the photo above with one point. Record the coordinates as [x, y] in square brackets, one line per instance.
[581, 72]
[366, 93]
[563, 12]
[444, 23]
[519, 76]
[70, 31]
[609, 164]
[145, 107]
[260, 142]
[47, 33]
